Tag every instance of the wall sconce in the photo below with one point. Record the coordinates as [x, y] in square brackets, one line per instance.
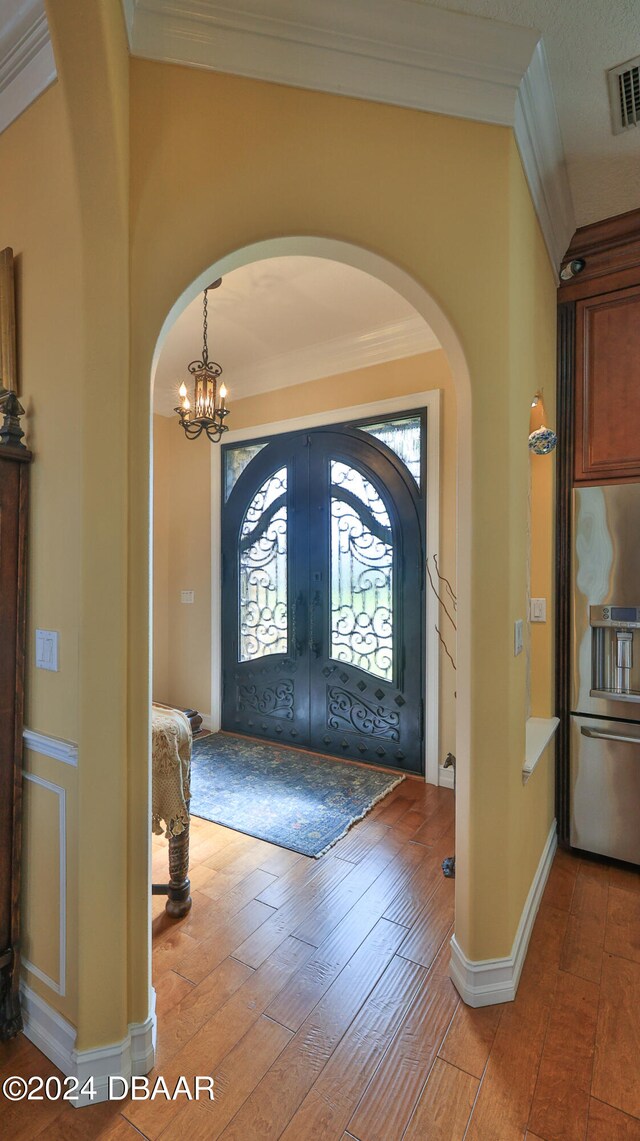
[543, 440]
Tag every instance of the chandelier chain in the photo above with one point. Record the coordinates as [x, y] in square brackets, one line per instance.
[205, 326]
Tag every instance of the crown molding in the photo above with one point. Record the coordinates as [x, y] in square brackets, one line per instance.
[539, 141]
[400, 52]
[391, 51]
[405, 338]
[27, 66]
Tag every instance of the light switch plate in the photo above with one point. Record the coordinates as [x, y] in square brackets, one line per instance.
[187, 596]
[47, 650]
[518, 634]
[538, 610]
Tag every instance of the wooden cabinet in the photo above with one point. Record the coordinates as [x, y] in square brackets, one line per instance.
[14, 469]
[607, 392]
[598, 415]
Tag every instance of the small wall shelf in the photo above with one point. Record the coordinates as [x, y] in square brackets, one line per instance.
[539, 732]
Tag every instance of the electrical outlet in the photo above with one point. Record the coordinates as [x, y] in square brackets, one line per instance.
[187, 596]
[518, 635]
[538, 610]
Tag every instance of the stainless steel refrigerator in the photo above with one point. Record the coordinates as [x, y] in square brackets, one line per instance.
[605, 682]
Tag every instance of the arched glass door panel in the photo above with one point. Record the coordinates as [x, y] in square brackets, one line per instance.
[322, 596]
[361, 573]
[262, 581]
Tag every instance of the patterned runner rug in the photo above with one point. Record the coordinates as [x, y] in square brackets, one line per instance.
[298, 800]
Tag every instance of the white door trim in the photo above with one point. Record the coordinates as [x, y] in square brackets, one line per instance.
[431, 401]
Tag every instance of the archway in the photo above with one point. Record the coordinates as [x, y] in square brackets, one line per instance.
[428, 308]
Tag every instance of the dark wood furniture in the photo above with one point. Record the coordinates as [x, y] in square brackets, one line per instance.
[178, 889]
[14, 472]
[194, 719]
[598, 413]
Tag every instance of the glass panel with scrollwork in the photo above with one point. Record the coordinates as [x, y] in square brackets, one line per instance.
[235, 461]
[361, 573]
[404, 436]
[263, 604]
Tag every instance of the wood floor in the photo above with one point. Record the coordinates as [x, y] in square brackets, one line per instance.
[316, 993]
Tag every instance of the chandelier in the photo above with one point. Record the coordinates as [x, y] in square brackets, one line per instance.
[209, 405]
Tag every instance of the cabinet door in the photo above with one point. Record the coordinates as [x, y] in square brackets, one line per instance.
[607, 445]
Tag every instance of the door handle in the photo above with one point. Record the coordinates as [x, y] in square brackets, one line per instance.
[299, 613]
[600, 736]
[316, 646]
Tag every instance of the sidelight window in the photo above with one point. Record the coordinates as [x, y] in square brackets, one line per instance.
[404, 437]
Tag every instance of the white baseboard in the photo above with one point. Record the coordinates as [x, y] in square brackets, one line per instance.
[446, 777]
[487, 982]
[47, 1029]
[56, 1038]
[207, 722]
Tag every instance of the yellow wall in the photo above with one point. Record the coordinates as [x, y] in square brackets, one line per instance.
[542, 475]
[128, 214]
[90, 47]
[532, 366]
[61, 209]
[163, 451]
[182, 561]
[182, 511]
[446, 201]
[42, 229]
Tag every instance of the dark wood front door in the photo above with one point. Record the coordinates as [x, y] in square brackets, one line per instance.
[322, 593]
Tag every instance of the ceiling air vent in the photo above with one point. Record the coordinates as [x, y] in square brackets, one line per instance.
[624, 93]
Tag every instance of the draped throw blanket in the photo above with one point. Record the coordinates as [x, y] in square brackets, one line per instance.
[171, 769]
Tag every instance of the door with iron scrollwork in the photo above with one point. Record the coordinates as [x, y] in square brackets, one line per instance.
[323, 613]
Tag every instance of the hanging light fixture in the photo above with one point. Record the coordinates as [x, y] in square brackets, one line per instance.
[209, 405]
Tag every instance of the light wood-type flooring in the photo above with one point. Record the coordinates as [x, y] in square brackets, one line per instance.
[316, 993]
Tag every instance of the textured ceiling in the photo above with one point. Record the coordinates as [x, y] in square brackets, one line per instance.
[288, 320]
[583, 39]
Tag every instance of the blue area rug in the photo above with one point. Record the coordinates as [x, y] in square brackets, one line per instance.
[297, 800]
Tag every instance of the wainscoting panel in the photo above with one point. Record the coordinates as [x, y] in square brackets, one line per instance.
[44, 905]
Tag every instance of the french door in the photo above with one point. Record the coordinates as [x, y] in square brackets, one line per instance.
[322, 591]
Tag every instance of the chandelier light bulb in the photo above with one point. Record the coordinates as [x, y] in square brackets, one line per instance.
[182, 391]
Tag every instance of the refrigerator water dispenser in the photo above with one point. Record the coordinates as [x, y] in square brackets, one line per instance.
[615, 652]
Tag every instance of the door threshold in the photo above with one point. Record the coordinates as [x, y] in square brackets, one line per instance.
[324, 756]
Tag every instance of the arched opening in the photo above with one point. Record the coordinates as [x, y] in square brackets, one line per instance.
[427, 308]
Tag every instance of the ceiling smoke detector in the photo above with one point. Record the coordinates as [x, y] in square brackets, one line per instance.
[624, 93]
